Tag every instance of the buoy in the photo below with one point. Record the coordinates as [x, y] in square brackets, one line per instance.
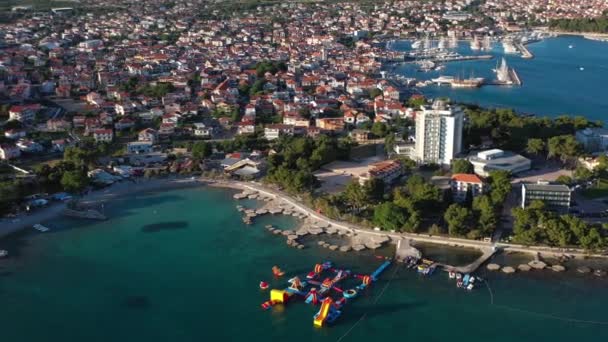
[263, 285]
[350, 293]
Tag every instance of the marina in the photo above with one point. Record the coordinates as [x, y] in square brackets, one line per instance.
[542, 77]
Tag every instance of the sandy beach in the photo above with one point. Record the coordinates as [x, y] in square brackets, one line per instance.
[9, 226]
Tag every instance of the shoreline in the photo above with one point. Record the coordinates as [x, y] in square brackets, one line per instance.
[159, 184]
[10, 226]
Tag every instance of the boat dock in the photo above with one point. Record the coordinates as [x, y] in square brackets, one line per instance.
[488, 252]
[525, 53]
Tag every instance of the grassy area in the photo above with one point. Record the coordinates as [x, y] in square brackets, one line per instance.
[599, 190]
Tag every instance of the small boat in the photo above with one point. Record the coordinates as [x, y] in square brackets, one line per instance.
[263, 285]
[581, 68]
[570, 46]
[458, 276]
[3, 253]
[471, 280]
[452, 275]
[459, 283]
[470, 286]
[311, 275]
[41, 228]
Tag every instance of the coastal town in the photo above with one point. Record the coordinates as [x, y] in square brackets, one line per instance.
[175, 161]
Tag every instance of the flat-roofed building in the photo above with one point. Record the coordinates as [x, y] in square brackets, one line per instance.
[555, 196]
[492, 160]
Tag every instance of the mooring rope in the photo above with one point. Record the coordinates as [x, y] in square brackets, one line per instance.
[540, 314]
[374, 302]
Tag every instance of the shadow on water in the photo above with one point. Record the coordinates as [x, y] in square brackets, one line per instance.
[373, 310]
[161, 226]
[136, 302]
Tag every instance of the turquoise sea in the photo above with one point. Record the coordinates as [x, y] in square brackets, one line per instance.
[181, 266]
[553, 82]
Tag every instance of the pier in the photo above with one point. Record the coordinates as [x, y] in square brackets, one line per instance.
[470, 268]
[525, 53]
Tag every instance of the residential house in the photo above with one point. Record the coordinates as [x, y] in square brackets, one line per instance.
[203, 131]
[103, 135]
[58, 125]
[272, 132]
[464, 185]
[139, 147]
[148, 134]
[25, 113]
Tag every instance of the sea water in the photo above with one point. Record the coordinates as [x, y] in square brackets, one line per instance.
[553, 81]
[181, 266]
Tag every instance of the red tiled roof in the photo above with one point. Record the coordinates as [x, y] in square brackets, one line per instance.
[466, 178]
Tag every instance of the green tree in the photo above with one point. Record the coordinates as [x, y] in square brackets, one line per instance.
[582, 174]
[388, 216]
[356, 196]
[74, 181]
[380, 129]
[461, 166]
[500, 186]
[374, 93]
[201, 150]
[486, 214]
[535, 146]
[564, 147]
[458, 219]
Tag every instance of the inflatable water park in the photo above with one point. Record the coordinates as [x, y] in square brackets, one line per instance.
[324, 286]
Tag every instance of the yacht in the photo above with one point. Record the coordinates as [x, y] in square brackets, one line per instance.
[443, 80]
[3, 253]
[416, 44]
[473, 82]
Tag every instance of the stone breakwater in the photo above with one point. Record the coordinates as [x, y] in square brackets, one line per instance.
[310, 226]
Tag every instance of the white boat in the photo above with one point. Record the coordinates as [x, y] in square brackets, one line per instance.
[470, 286]
[471, 280]
[452, 275]
[581, 68]
[443, 80]
[41, 228]
[3, 253]
[570, 46]
[416, 44]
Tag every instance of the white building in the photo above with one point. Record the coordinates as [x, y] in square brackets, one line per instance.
[492, 160]
[462, 184]
[438, 133]
[103, 135]
[272, 132]
[201, 130]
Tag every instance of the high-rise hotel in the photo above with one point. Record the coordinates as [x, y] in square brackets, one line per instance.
[438, 133]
